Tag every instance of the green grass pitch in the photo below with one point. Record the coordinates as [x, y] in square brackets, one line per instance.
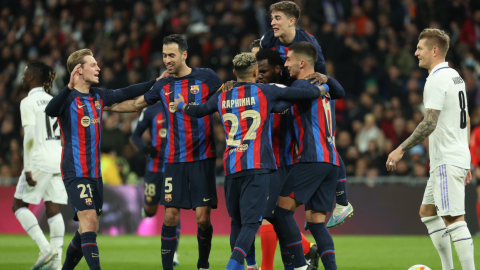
[135, 252]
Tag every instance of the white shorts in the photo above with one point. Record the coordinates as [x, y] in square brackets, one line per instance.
[49, 187]
[446, 190]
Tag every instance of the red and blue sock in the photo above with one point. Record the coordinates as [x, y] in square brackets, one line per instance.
[74, 252]
[251, 254]
[324, 240]
[288, 229]
[242, 246]
[204, 239]
[90, 250]
[178, 235]
[169, 245]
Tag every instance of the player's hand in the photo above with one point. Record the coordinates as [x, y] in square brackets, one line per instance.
[468, 178]
[150, 151]
[29, 178]
[178, 100]
[164, 75]
[228, 86]
[317, 77]
[74, 76]
[393, 158]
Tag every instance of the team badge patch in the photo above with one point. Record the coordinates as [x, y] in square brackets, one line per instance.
[97, 105]
[168, 197]
[163, 133]
[85, 121]
[194, 89]
[88, 201]
[149, 199]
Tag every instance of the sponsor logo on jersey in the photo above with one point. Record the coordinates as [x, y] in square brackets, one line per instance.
[171, 107]
[240, 148]
[194, 89]
[168, 197]
[163, 133]
[80, 106]
[87, 121]
[97, 105]
[88, 201]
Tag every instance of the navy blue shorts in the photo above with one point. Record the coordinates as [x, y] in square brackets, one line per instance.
[312, 184]
[246, 197]
[189, 185]
[153, 185]
[277, 179]
[84, 193]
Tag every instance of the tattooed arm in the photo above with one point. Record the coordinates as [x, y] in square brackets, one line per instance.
[423, 130]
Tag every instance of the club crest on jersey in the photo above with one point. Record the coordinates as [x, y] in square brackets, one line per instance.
[168, 197]
[88, 201]
[97, 105]
[194, 89]
[85, 121]
[163, 133]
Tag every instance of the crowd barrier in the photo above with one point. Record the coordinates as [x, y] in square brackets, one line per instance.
[381, 206]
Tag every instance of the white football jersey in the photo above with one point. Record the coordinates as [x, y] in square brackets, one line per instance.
[445, 91]
[47, 148]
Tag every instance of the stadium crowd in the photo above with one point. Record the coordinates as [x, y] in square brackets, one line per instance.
[368, 47]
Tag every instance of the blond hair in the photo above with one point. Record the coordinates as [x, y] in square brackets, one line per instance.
[244, 62]
[436, 37]
[76, 58]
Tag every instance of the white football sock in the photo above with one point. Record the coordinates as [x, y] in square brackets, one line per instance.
[30, 225]
[302, 268]
[441, 240]
[57, 230]
[462, 240]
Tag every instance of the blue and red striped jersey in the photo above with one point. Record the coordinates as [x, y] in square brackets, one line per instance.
[188, 139]
[245, 113]
[269, 41]
[313, 129]
[153, 119]
[81, 125]
[283, 138]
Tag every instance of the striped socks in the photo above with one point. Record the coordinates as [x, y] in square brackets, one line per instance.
[90, 250]
[169, 243]
[74, 253]
[324, 240]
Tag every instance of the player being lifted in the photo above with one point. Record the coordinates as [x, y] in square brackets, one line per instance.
[41, 177]
[153, 119]
[248, 158]
[447, 125]
[284, 16]
[190, 150]
[79, 108]
[271, 70]
[312, 180]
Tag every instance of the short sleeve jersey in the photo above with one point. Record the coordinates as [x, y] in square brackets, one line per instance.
[188, 138]
[269, 41]
[81, 126]
[313, 129]
[154, 119]
[448, 143]
[47, 149]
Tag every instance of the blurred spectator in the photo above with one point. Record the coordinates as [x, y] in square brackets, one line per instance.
[369, 132]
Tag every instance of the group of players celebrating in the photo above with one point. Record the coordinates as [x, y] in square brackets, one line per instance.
[280, 152]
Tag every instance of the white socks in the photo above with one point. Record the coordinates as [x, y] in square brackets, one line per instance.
[30, 225]
[57, 230]
[302, 268]
[441, 240]
[462, 239]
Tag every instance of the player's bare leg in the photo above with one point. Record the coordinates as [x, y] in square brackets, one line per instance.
[30, 225]
[88, 227]
[57, 231]
[204, 235]
[169, 236]
[437, 230]
[150, 210]
[462, 240]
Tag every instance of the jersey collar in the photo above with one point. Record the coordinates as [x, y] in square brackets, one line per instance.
[439, 66]
[36, 89]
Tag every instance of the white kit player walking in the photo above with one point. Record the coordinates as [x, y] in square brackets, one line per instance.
[447, 125]
[41, 178]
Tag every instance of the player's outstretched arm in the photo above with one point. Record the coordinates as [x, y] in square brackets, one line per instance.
[423, 130]
[131, 105]
[198, 111]
[54, 106]
[294, 93]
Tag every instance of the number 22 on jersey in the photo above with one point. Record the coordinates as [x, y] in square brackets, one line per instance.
[236, 123]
